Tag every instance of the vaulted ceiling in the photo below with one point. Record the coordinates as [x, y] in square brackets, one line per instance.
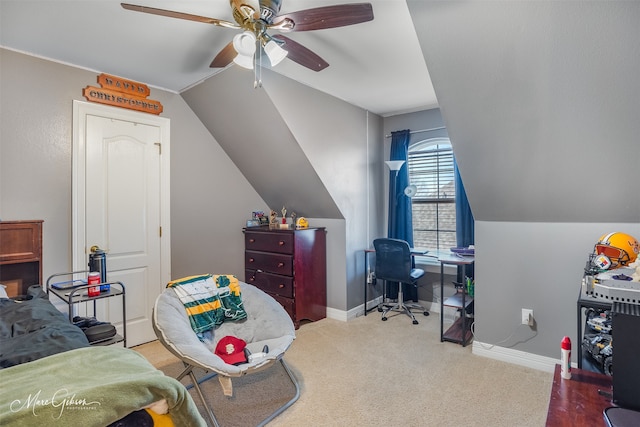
[376, 65]
[542, 103]
[540, 98]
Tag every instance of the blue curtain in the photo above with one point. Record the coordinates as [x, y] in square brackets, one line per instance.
[464, 216]
[464, 220]
[400, 219]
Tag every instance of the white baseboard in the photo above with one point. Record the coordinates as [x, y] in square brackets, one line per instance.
[517, 357]
[336, 314]
[345, 316]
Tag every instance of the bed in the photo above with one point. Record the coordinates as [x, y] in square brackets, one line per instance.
[51, 375]
[32, 328]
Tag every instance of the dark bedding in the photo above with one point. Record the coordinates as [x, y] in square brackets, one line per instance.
[34, 328]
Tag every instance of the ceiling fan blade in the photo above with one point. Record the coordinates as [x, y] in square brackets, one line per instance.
[324, 17]
[302, 55]
[224, 57]
[180, 15]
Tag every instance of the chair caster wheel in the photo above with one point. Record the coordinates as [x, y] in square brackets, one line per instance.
[415, 322]
[380, 309]
[384, 319]
[426, 313]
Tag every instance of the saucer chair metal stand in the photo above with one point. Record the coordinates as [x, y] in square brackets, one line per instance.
[267, 323]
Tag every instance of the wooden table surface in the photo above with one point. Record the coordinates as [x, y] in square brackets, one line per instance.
[579, 401]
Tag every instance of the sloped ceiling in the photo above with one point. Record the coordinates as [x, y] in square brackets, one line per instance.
[249, 128]
[175, 54]
[542, 104]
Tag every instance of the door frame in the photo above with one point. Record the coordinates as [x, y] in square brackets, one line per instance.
[78, 164]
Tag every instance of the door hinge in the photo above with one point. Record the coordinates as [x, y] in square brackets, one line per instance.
[160, 231]
[159, 147]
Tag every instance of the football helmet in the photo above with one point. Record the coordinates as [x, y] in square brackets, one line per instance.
[615, 250]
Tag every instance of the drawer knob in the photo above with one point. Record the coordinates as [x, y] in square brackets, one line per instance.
[281, 243]
[252, 240]
[281, 285]
[281, 264]
[251, 260]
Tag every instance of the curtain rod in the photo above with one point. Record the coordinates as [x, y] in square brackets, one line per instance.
[420, 131]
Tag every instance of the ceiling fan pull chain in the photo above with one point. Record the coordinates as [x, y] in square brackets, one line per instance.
[255, 75]
[257, 66]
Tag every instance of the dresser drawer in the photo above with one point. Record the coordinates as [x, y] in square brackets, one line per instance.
[288, 304]
[20, 241]
[271, 263]
[272, 283]
[270, 242]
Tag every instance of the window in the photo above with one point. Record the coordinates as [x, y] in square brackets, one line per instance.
[431, 170]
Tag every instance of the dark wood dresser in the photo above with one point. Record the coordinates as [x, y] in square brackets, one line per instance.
[20, 255]
[291, 266]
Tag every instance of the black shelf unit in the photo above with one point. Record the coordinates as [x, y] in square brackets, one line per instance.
[79, 294]
[460, 331]
[586, 301]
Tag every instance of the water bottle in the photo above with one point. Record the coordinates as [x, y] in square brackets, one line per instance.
[565, 362]
[98, 262]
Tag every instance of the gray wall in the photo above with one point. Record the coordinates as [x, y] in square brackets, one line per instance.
[319, 159]
[535, 265]
[540, 100]
[210, 196]
[35, 170]
[344, 147]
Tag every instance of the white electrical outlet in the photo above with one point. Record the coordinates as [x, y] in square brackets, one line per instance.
[371, 277]
[527, 316]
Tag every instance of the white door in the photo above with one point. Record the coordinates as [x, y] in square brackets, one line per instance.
[121, 203]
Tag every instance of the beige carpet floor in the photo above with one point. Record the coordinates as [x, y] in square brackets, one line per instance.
[255, 397]
[366, 372]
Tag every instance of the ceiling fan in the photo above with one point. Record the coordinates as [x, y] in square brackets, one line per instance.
[256, 17]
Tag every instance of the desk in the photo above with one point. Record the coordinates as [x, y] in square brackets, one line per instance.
[460, 331]
[414, 252]
[579, 401]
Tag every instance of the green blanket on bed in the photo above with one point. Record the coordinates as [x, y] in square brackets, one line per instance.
[91, 386]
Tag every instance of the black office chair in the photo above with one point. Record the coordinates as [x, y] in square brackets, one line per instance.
[394, 264]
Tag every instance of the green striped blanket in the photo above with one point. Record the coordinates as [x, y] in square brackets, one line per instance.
[209, 299]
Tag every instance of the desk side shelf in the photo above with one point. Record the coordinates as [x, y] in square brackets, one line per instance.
[460, 331]
[457, 300]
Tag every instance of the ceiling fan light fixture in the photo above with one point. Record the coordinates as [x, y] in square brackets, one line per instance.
[245, 44]
[275, 53]
[244, 61]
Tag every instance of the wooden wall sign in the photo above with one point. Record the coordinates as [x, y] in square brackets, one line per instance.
[122, 93]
